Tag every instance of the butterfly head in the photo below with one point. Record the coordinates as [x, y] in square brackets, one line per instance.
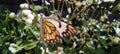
[41, 16]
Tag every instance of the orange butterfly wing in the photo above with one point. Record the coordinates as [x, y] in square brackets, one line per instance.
[50, 33]
[53, 30]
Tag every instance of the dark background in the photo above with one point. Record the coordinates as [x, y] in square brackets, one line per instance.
[14, 5]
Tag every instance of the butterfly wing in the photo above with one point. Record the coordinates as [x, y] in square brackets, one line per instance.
[54, 29]
[50, 32]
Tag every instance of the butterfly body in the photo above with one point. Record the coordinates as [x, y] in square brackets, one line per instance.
[53, 29]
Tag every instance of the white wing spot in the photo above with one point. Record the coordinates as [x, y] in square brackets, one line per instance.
[62, 28]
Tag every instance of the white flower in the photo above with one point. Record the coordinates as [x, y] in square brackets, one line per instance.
[74, 45]
[12, 15]
[43, 51]
[91, 42]
[38, 15]
[85, 29]
[99, 2]
[60, 48]
[14, 48]
[69, 10]
[108, 22]
[59, 51]
[47, 3]
[116, 39]
[84, 2]
[81, 52]
[31, 16]
[103, 37]
[78, 4]
[117, 30]
[47, 50]
[98, 26]
[67, 16]
[24, 6]
[29, 21]
[25, 12]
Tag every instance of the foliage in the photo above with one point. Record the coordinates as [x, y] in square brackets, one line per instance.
[98, 29]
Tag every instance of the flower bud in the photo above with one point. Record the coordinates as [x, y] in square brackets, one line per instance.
[12, 15]
[24, 6]
[78, 4]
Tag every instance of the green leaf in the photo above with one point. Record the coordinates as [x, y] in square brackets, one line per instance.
[89, 2]
[37, 33]
[21, 26]
[103, 40]
[3, 39]
[99, 51]
[117, 7]
[29, 44]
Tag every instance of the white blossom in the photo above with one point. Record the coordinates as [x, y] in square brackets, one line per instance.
[14, 48]
[78, 4]
[69, 10]
[95, 30]
[60, 48]
[117, 30]
[27, 16]
[47, 50]
[67, 16]
[91, 42]
[85, 29]
[38, 15]
[74, 45]
[24, 6]
[12, 15]
[116, 39]
[103, 37]
[43, 51]
[47, 3]
[29, 21]
[81, 52]
[99, 2]
[84, 2]
[31, 16]
[25, 12]
[98, 26]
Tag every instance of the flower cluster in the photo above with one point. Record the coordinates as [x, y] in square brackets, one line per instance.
[25, 14]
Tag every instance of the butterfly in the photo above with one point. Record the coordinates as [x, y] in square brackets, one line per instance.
[52, 30]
